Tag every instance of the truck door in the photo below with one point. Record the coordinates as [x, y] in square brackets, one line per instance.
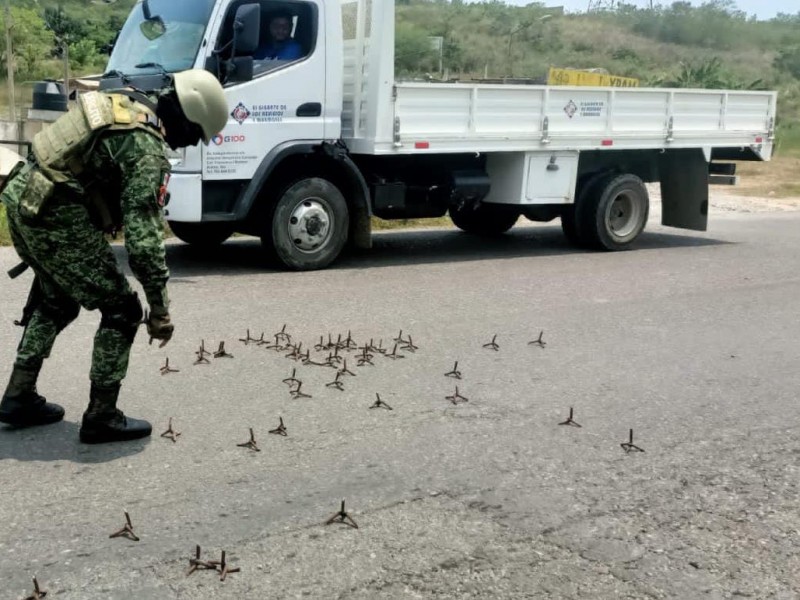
[284, 101]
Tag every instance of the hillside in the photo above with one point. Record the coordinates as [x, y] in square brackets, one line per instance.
[675, 45]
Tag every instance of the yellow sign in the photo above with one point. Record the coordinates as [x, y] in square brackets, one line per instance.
[587, 78]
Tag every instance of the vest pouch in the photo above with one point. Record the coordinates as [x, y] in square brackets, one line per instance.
[36, 194]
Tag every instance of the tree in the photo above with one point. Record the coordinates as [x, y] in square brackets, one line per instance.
[30, 40]
[414, 53]
[83, 54]
[788, 60]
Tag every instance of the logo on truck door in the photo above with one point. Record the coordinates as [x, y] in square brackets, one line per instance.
[240, 114]
[220, 139]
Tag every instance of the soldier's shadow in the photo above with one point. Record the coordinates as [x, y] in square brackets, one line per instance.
[60, 442]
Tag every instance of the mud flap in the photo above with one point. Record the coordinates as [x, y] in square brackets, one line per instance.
[684, 189]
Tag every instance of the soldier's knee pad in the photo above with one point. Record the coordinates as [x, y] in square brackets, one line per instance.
[62, 313]
[123, 316]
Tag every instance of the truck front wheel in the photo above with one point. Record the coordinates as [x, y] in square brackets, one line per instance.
[309, 225]
[613, 212]
[201, 235]
[485, 219]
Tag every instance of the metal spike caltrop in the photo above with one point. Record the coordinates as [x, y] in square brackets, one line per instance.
[493, 344]
[409, 345]
[629, 446]
[538, 341]
[456, 398]
[380, 403]
[171, 433]
[455, 373]
[220, 353]
[220, 565]
[126, 531]
[280, 429]
[195, 563]
[393, 354]
[297, 393]
[365, 358]
[345, 371]
[349, 342]
[251, 443]
[570, 421]
[282, 335]
[291, 380]
[38, 593]
[246, 340]
[201, 354]
[342, 517]
[336, 383]
[167, 369]
[224, 569]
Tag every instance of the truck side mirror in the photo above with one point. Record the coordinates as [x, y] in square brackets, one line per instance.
[246, 28]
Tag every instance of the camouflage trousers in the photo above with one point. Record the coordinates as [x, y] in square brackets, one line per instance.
[75, 267]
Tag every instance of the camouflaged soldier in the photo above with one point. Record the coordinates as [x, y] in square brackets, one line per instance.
[100, 167]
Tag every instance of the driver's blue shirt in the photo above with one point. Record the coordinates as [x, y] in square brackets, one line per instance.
[288, 50]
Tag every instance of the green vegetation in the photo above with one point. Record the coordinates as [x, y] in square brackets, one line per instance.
[671, 45]
[382, 225]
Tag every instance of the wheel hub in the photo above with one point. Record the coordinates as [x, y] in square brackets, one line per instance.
[623, 215]
[310, 225]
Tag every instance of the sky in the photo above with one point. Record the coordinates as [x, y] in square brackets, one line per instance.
[763, 9]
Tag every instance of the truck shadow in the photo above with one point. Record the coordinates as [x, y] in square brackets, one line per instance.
[243, 255]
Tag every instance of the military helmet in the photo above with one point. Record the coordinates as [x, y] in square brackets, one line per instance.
[202, 100]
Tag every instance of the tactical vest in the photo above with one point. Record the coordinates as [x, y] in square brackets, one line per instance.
[61, 150]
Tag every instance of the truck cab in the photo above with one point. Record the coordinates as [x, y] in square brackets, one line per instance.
[284, 122]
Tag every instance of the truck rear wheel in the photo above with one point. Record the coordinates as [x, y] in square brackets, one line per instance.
[202, 235]
[309, 225]
[485, 219]
[613, 212]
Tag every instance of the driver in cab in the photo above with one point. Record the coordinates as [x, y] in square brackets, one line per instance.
[280, 45]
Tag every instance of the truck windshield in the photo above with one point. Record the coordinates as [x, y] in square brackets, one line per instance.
[179, 28]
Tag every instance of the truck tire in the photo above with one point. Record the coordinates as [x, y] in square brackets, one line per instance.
[201, 235]
[309, 225]
[613, 212]
[484, 220]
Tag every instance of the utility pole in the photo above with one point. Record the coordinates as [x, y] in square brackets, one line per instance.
[65, 51]
[12, 99]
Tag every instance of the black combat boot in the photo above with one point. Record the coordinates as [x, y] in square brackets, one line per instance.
[104, 422]
[22, 406]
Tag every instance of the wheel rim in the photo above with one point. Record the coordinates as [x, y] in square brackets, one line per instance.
[624, 216]
[311, 225]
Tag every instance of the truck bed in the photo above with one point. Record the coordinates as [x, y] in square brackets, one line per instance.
[430, 117]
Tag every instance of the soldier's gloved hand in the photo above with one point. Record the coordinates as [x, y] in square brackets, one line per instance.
[159, 325]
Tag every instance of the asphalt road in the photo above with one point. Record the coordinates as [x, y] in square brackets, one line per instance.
[691, 341]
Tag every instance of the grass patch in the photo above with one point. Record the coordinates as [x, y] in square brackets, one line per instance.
[788, 140]
[382, 224]
[778, 178]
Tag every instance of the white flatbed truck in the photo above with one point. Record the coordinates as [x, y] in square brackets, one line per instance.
[316, 145]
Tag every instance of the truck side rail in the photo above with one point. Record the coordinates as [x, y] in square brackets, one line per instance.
[481, 117]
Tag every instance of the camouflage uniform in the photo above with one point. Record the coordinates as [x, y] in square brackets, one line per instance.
[74, 263]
